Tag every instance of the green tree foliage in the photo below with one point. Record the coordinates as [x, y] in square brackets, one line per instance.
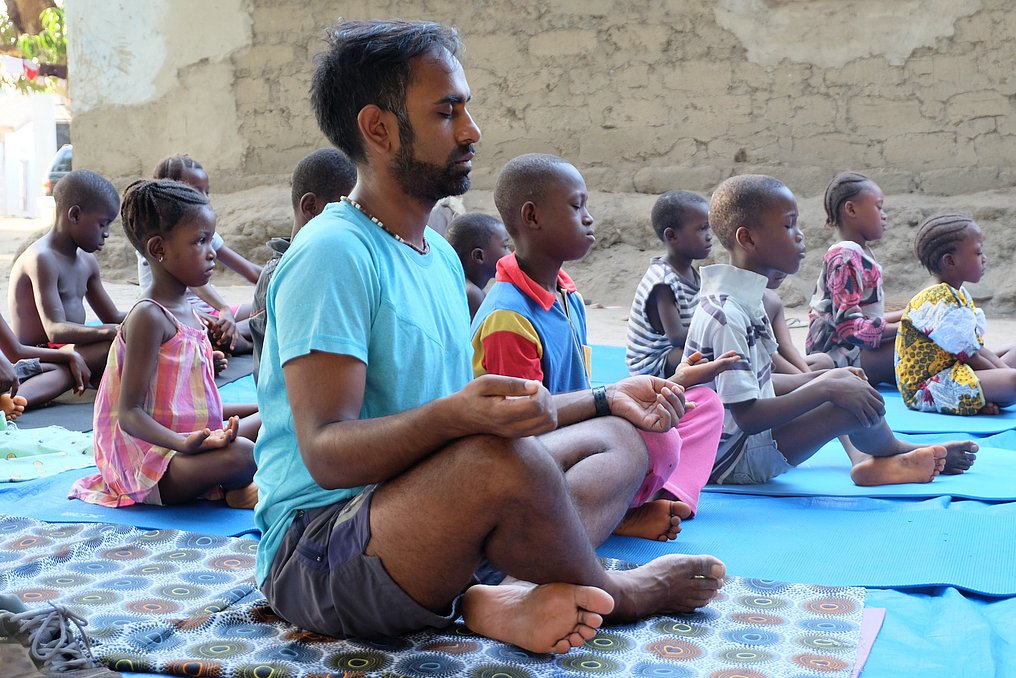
[47, 48]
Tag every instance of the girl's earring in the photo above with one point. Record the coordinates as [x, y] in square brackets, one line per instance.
[160, 258]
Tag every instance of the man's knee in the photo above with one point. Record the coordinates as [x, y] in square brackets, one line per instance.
[620, 435]
[489, 458]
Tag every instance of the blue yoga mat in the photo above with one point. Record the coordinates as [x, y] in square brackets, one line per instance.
[827, 473]
[46, 499]
[905, 420]
[607, 365]
[241, 391]
[848, 541]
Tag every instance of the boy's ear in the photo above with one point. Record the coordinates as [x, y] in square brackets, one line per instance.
[74, 213]
[477, 255]
[669, 234]
[155, 248]
[378, 128]
[310, 206]
[744, 238]
[528, 213]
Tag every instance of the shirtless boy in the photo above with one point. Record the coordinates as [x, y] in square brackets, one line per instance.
[51, 279]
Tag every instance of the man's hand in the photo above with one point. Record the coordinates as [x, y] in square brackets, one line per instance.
[506, 407]
[695, 369]
[853, 393]
[648, 403]
[207, 439]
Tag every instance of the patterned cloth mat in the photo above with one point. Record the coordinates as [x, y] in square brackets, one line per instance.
[182, 603]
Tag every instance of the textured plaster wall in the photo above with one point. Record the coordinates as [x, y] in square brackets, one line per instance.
[642, 96]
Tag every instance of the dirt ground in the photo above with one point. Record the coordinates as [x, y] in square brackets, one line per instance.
[606, 323]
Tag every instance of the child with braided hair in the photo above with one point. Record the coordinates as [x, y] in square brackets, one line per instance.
[847, 318]
[227, 325]
[159, 434]
[942, 364]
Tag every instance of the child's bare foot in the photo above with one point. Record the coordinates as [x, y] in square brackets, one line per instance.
[219, 362]
[12, 406]
[989, 408]
[916, 466]
[547, 618]
[245, 497]
[671, 584]
[659, 520]
[960, 456]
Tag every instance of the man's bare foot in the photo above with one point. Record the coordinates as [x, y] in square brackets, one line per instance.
[916, 466]
[245, 497]
[960, 456]
[659, 520]
[989, 408]
[671, 584]
[547, 618]
[12, 406]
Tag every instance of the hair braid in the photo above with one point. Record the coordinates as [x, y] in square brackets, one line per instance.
[174, 166]
[155, 207]
[938, 236]
[842, 188]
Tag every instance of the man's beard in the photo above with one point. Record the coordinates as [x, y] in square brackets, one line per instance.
[426, 181]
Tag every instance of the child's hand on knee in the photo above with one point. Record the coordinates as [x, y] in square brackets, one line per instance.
[856, 396]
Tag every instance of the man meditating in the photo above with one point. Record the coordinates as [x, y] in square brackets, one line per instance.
[396, 492]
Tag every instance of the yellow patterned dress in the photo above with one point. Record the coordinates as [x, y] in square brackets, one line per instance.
[941, 329]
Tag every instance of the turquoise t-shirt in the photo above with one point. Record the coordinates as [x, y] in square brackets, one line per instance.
[347, 287]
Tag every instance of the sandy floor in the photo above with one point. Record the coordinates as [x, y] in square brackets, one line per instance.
[606, 323]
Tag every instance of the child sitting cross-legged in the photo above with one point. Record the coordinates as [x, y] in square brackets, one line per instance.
[159, 434]
[776, 421]
[847, 319]
[52, 279]
[942, 364]
[668, 292]
[532, 324]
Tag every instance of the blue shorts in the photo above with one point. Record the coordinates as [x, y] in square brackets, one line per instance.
[759, 461]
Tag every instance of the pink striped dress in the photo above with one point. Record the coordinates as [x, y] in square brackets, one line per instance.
[183, 397]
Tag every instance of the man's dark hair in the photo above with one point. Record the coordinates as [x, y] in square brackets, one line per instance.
[368, 63]
[327, 173]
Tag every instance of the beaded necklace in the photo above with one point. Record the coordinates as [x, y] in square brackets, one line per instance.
[419, 250]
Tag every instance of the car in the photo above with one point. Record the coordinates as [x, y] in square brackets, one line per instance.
[58, 169]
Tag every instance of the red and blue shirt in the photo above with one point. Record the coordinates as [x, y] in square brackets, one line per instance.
[523, 330]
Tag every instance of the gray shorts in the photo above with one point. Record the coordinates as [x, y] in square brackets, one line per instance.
[27, 368]
[322, 581]
[759, 462]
